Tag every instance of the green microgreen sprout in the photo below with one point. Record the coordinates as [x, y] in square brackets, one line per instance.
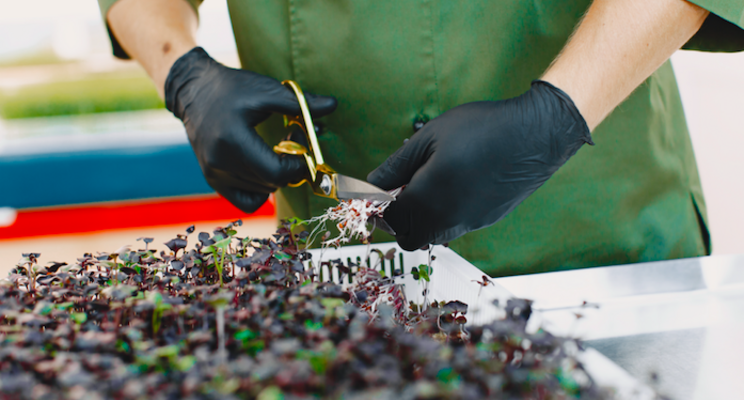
[159, 307]
[218, 251]
[422, 274]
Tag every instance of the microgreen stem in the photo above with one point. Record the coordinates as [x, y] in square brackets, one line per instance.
[115, 271]
[426, 282]
[219, 265]
[221, 333]
[477, 308]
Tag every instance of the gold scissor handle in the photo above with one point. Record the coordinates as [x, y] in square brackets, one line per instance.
[307, 121]
[323, 177]
[296, 149]
[290, 147]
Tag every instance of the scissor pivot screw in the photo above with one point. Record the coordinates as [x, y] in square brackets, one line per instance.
[326, 185]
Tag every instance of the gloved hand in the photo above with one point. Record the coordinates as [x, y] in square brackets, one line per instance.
[471, 166]
[220, 108]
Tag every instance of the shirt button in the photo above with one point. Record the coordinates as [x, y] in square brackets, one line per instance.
[318, 128]
[419, 122]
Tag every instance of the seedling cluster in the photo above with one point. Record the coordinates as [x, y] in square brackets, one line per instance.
[241, 318]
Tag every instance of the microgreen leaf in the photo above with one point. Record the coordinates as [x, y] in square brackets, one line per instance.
[79, 318]
[281, 256]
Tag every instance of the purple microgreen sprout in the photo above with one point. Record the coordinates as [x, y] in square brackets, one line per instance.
[147, 241]
[485, 281]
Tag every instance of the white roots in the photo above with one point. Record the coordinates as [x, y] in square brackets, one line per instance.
[351, 218]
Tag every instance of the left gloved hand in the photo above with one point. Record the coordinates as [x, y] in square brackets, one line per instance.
[471, 166]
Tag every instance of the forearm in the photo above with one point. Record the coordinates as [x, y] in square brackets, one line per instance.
[616, 47]
[155, 33]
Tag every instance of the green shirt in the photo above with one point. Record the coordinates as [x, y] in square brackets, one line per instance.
[635, 196]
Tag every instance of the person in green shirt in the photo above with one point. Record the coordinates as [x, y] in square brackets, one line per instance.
[495, 100]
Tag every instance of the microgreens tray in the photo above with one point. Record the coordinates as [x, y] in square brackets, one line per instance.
[219, 316]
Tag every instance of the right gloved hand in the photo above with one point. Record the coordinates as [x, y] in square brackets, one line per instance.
[220, 107]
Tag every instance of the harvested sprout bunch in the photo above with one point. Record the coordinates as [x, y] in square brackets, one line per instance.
[352, 218]
[239, 318]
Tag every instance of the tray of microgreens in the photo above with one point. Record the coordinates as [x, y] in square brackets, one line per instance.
[217, 316]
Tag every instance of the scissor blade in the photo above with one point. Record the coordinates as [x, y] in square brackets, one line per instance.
[350, 188]
[381, 224]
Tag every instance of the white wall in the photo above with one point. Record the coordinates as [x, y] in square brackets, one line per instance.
[712, 88]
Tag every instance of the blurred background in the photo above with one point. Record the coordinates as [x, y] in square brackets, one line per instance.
[90, 160]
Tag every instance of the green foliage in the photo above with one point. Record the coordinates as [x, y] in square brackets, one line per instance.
[567, 382]
[43, 308]
[320, 359]
[157, 313]
[295, 222]
[245, 334]
[185, 363]
[79, 318]
[312, 326]
[93, 94]
[253, 347]
[422, 272]
[271, 393]
[331, 304]
[170, 352]
[218, 250]
[43, 57]
[447, 375]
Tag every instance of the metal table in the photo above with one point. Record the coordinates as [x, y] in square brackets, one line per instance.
[679, 320]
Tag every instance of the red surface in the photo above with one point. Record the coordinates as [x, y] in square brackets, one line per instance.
[115, 215]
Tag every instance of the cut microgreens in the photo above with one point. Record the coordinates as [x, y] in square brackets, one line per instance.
[352, 218]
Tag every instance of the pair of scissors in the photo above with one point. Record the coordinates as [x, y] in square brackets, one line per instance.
[322, 178]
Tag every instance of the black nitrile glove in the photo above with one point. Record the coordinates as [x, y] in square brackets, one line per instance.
[471, 166]
[220, 108]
